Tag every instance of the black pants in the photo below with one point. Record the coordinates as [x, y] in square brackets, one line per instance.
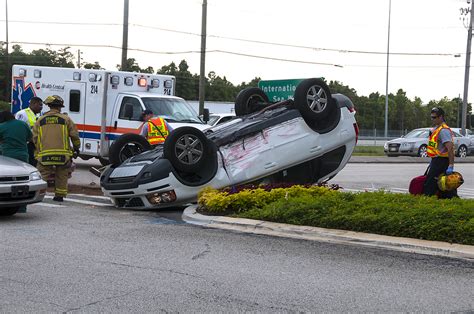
[438, 166]
[31, 154]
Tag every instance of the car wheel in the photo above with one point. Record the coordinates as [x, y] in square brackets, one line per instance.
[314, 101]
[250, 100]
[423, 151]
[126, 146]
[10, 211]
[462, 151]
[187, 149]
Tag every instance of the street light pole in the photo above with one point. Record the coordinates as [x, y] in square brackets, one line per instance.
[7, 54]
[466, 71]
[386, 78]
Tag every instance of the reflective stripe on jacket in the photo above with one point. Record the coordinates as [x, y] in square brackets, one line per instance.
[433, 144]
[51, 135]
[157, 131]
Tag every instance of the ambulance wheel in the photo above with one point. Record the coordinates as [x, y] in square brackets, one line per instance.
[126, 146]
[250, 100]
[314, 101]
[187, 149]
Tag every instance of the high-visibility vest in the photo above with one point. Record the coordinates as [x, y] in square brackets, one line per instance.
[53, 140]
[157, 131]
[432, 149]
[31, 117]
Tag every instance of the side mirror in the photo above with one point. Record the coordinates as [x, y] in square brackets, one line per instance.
[205, 115]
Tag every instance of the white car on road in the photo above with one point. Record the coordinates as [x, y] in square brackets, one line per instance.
[305, 140]
[20, 184]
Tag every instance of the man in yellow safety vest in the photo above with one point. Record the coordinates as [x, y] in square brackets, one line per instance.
[29, 116]
[52, 135]
[441, 150]
[155, 130]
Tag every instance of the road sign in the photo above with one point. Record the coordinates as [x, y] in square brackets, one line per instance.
[278, 90]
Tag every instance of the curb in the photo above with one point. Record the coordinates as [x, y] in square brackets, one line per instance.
[409, 245]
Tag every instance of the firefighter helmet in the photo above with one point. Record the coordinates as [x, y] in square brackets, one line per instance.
[54, 101]
[449, 182]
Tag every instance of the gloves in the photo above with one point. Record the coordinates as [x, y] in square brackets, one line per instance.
[450, 169]
[75, 154]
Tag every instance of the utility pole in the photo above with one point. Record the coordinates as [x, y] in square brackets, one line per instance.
[202, 82]
[468, 65]
[386, 78]
[78, 58]
[7, 54]
[125, 35]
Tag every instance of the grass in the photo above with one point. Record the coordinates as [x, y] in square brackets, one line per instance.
[368, 151]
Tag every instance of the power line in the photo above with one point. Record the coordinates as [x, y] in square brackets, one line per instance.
[246, 40]
[224, 52]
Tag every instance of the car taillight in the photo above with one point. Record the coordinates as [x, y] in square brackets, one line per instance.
[356, 129]
[352, 109]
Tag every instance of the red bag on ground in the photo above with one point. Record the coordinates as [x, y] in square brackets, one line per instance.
[416, 185]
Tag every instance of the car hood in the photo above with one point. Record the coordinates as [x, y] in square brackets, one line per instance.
[199, 126]
[13, 167]
[397, 140]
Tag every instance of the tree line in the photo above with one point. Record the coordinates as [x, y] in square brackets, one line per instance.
[403, 113]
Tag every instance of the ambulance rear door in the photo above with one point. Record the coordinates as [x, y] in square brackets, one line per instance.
[75, 106]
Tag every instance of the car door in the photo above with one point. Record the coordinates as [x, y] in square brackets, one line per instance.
[127, 116]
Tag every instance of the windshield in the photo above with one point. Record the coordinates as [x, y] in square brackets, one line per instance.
[417, 134]
[171, 109]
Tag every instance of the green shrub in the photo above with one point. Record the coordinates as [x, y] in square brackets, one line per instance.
[379, 212]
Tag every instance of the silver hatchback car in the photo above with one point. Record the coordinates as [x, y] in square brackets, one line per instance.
[415, 143]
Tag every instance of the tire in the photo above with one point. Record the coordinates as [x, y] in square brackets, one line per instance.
[187, 149]
[314, 101]
[423, 151]
[462, 151]
[104, 161]
[10, 211]
[126, 146]
[250, 100]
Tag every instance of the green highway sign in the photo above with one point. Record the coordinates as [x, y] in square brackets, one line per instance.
[278, 90]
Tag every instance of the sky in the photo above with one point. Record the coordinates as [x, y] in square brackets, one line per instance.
[342, 40]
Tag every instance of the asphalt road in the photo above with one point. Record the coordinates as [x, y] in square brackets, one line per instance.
[82, 258]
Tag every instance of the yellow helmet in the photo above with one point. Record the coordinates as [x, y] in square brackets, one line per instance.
[449, 182]
[54, 101]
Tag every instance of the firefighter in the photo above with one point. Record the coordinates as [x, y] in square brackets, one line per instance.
[52, 136]
[155, 130]
[29, 116]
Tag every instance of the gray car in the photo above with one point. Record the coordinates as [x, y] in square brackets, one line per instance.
[415, 143]
[20, 184]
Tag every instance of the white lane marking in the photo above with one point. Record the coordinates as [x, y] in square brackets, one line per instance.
[46, 205]
[73, 200]
[92, 196]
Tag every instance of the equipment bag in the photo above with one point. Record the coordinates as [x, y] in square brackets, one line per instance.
[417, 183]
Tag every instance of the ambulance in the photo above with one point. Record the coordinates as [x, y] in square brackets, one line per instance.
[106, 106]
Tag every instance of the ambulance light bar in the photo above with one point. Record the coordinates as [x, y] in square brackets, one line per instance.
[129, 81]
[142, 82]
[22, 72]
[168, 84]
[114, 80]
[155, 83]
[76, 76]
[37, 73]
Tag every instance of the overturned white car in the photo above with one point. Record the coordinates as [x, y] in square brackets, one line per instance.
[305, 140]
